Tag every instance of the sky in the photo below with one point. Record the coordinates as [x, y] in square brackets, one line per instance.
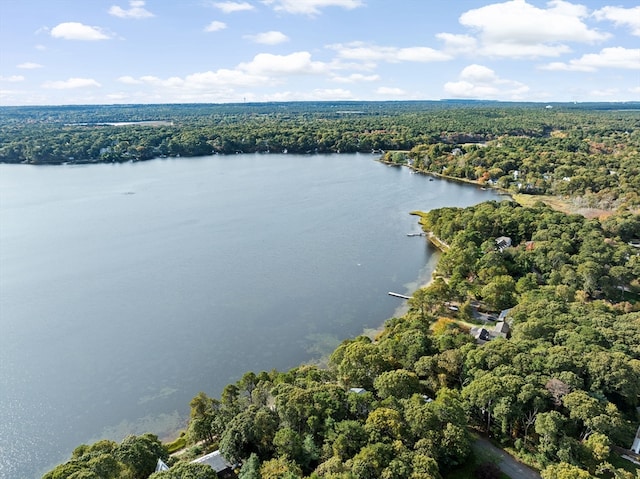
[58, 52]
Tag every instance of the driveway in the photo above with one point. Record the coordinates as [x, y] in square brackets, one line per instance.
[507, 464]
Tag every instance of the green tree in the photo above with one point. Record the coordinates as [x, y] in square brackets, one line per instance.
[280, 468]
[361, 364]
[399, 383]
[250, 468]
[371, 461]
[347, 439]
[565, 471]
[499, 293]
[141, 454]
[288, 443]
[384, 425]
[186, 470]
[550, 426]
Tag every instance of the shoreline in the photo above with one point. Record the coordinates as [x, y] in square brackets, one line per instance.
[500, 190]
[424, 279]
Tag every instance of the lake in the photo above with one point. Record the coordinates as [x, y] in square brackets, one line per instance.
[127, 288]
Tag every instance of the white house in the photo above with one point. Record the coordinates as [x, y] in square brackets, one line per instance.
[635, 447]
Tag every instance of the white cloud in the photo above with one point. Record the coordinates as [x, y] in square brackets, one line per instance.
[421, 54]
[215, 26]
[355, 78]
[478, 81]
[360, 51]
[319, 94]
[71, 83]
[129, 80]
[635, 89]
[268, 38]
[607, 92]
[78, 31]
[478, 74]
[294, 63]
[390, 91]
[12, 78]
[223, 77]
[264, 70]
[136, 10]
[29, 65]
[457, 43]
[310, 7]
[200, 81]
[627, 17]
[231, 7]
[118, 97]
[614, 57]
[518, 29]
[331, 94]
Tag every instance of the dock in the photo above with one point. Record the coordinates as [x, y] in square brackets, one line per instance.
[398, 295]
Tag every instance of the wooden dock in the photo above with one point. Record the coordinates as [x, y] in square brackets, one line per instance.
[398, 295]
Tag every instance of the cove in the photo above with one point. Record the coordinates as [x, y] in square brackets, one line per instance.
[127, 288]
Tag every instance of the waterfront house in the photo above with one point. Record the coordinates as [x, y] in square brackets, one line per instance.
[217, 462]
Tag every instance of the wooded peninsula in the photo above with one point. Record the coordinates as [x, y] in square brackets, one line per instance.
[528, 335]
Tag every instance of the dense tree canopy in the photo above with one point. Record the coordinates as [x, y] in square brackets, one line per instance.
[560, 387]
[589, 151]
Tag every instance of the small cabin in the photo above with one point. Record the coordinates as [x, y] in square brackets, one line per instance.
[217, 462]
[635, 447]
[480, 334]
[503, 242]
[501, 329]
[357, 390]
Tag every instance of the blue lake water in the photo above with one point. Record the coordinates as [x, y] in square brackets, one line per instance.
[127, 288]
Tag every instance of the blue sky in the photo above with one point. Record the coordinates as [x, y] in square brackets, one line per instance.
[56, 52]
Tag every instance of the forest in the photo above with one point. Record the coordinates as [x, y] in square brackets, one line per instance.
[559, 391]
[554, 379]
[589, 152]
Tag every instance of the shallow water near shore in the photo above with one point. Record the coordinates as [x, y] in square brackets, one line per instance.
[125, 289]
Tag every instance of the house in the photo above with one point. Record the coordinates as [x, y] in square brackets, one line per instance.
[503, 242]
[217, 462]
[501, 330]
[358, 390]
[480, 334]
[635, 447]
[503, 314]
[161, 466]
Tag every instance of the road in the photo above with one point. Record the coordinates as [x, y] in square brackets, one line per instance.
[506, 463]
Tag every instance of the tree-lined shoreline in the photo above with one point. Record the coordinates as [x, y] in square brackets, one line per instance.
[558, 386]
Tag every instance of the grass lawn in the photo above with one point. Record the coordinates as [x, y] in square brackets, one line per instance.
[561, 204]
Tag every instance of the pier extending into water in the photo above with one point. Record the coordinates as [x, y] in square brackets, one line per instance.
[398, 295]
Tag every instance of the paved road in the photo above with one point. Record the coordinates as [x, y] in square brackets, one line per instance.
[506, 463]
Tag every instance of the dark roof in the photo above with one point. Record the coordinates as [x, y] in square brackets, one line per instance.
[481, 333]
